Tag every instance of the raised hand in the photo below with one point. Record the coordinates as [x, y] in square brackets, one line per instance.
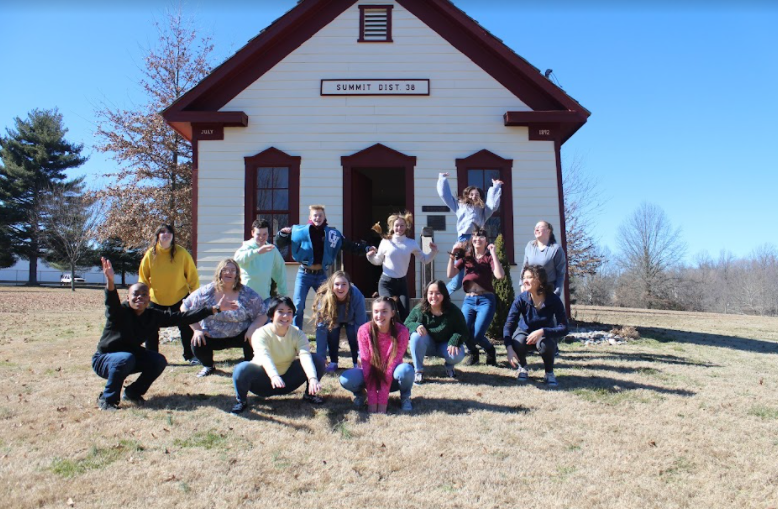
[226, 304]
[107, 269]
[265, 249]
[445, 174]
[287, 229]
[496, 182]
[372, 251]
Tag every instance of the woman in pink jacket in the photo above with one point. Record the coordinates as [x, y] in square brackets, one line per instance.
[382, 344]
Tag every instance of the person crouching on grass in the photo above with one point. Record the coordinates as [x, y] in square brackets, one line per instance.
[128, 326]
[536, 320]
[282, 360]
[382, 343]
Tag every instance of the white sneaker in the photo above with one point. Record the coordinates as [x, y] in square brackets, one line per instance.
[522, 375]
[550, 380]
[418, 378]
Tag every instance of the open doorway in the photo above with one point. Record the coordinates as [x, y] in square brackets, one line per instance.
[377, 182]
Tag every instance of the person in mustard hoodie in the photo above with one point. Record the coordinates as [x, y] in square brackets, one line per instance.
[170, 273]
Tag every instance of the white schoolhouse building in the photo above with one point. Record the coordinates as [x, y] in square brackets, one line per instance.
[358, 105]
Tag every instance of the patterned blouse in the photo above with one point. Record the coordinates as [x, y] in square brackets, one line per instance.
[226, 324]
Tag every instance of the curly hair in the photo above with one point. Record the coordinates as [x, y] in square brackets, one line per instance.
[466, 197]
[325, 305]
[217, 275]
[539, 273]
[404, 215]
[379, 364]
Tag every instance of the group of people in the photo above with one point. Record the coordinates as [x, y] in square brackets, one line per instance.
[236, 310]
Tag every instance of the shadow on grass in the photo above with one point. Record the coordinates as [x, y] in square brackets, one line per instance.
[585, 357]
[706, 339]
[612, 385]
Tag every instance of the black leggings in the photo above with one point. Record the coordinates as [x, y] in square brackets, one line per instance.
[248, 376]
[205, 352]
[545, 348]
[395, 287]
[186, 331]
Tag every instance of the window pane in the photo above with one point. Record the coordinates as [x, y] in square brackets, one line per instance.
[281, 177]
[475, 178]
[490, 175]
[281, 199]
[264, 200]
[279, 221]
[264, 178]
[493, 226]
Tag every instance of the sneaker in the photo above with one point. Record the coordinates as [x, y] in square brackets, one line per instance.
[360, 400]
[491, 358]
[135, 400]
[102, 404]
[450, 373]
[473, 359]
[314, 399]
[206, 371]
[550, 380]
[331, 367]
[405, 405]
[239, 407]
[522, 375]
[194, 361]
[418, 378]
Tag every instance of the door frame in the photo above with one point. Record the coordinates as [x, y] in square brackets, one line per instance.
[379, 156]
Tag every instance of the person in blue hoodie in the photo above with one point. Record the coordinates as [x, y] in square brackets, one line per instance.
[315, 246]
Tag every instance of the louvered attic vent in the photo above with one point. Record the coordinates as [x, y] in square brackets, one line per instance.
[375, 23]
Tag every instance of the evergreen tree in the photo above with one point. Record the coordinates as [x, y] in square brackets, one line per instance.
[33, 160]
[503, 290]
[124, 260]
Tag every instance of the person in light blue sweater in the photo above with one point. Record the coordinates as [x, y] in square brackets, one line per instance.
[471, 211]
[261, 263]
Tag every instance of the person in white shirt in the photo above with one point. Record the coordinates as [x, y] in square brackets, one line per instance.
[394, 254]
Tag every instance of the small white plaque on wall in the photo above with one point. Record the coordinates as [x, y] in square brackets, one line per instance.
[375, 87]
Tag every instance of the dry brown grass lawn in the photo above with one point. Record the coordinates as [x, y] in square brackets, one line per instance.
[685, 417]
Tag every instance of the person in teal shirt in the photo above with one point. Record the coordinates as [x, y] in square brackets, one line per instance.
[260, 262]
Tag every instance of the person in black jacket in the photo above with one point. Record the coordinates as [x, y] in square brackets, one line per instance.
[128, 325]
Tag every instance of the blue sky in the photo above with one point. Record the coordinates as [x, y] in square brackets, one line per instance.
[682, 95]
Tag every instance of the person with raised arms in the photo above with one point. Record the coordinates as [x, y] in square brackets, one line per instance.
[128, 326]
[314, 246]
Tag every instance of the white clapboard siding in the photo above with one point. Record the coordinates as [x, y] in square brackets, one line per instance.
[462, 115]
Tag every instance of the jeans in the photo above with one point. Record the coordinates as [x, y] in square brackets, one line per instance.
[478, 312]
[330, 339]
[402, 380]
[302, 283]
[546, 348]
[456, 282]
[117, 366]
[152, 344]
[205, 352]
[395, 287]
[425, 345]
[248, 376]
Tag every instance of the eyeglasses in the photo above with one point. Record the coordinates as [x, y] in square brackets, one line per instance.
[229, 270]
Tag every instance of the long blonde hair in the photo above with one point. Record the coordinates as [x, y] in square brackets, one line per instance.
[404, 215]
[378, 364]
[325, 305]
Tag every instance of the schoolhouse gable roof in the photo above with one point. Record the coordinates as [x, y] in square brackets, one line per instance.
[551, 106]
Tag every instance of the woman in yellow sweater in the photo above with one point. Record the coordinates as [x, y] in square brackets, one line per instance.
[170, 272]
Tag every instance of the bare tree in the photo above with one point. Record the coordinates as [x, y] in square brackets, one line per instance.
[650, 246]
[70, 222]
[154, 185]
[582, 202]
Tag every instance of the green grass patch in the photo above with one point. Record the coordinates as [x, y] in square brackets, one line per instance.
[610, 396]
[681, 465]
[205, 439]
[764, 412]
[97, 458]
[343, 430]
[279, 461]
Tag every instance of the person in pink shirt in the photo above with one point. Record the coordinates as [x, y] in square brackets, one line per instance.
[382, 344]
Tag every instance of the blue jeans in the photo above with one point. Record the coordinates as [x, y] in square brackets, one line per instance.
[402, 380]
[479, 312]
[456, 282]
[330, 339]
[248, 376]
[425, 345]
[302, 283]
[117, 366]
